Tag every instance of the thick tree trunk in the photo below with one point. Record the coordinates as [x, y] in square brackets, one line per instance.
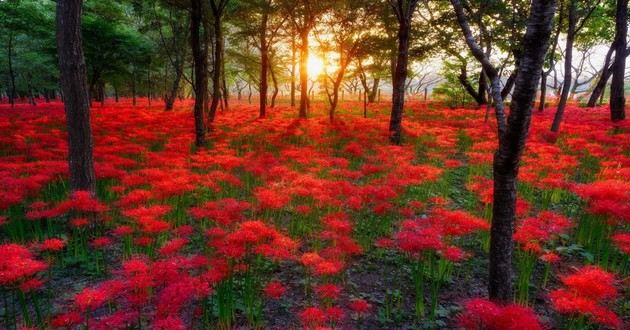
[73, 77]
[374, 91]
[617, 99]
[511, 146]
[400, 75]
[568, 57]
[481, 88]
[303, 73]
[512, 137]
[200, 62]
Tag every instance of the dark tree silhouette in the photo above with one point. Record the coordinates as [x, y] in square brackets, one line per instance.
[73, 76]
[200, 63]
[617, 99]
[404, 10]
[512, 136]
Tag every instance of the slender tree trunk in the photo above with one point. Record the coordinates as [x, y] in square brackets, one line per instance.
[543, 91]
[264, 66]
[617, 99]
[274, 94]
[200, 62]
[179, 72]
[603, 79]
[568, 57]
[73, 77]
[133, 88]
[303, 73]
[216, 71]
[11, 72]
[293, 57]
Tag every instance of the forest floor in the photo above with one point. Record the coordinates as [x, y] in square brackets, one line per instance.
[281, 223]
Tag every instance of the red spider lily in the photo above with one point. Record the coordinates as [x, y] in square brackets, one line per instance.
[312, 317]
[101, 242]
[360, 306]
[271, 200]
[532, 233]
[17, 264]
[480, 313]
[585, 292]
[66, 320]
[622, 241]
[173, 246]
[52, 245]
[169, 323]
[274, 290]
[328, 291]
[89, 299]
[224, 212]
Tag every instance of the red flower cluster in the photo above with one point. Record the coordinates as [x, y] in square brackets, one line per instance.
[484, 314]
[533, 233]
[585, 293]
[18, 265]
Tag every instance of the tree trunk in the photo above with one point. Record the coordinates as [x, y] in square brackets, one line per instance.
[11, 72]
[200, 63]
[511, 145]
[372, 95]
[216, 70]
[463, 79]
[543, 91]
[617, 99]
[73, 77]
[293, 52]
[603, 79]
[398, 87]
[275, 85]
[568, 56]
[264, 66]
[512, 137]
[179, 72]
[303, 73]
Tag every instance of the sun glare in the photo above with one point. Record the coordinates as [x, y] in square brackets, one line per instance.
[315, 65]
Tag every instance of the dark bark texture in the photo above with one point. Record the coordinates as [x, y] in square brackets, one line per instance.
[617, 99]
[200, 62]
[404, 10]
[73, 77]
[568, 57]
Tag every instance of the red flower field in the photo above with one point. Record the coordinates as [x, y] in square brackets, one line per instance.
[284, 224]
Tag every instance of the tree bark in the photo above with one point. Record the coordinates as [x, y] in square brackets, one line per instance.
[404, 11]
[73, 77]
[274, 94]
[264, 66]
[512, 137]
[568, 57]
[179, 72]
[303, 73]
[217, 13]
[200, 63]
[374, 91]
[617, 99]
[11, 72]
[603, 78]
[293, 51]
